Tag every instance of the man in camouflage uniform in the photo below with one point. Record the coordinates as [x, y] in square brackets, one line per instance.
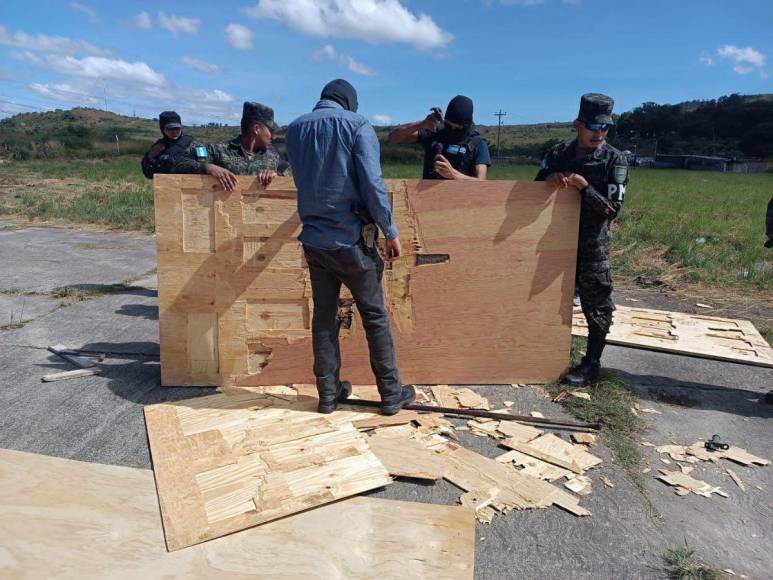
[600, 173]
[165, 153]
[251, 153]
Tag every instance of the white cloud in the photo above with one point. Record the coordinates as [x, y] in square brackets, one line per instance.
[200, 65]
[87, 10]
[179, 24]
[96, 67]
[374, 21]
[327, 52]
[381, 120]
[239, 36]
[746, 59]
[63, 92]
[49, 44]
[26, 56]
[706, 59]
[142, 20]
[572, 2]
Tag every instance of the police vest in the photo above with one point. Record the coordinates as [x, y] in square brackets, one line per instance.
[461, 155]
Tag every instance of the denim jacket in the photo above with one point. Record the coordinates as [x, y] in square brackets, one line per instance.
[335, 157]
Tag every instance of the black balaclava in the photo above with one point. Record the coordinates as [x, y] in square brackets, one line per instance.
[459, 111]
[342, 93]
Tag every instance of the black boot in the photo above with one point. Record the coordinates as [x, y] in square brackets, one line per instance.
[406, 397]
[588, 370]
[329, 405]
[583, 374]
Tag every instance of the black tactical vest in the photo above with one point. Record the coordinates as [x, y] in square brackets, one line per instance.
[460, 154]
[173, 152]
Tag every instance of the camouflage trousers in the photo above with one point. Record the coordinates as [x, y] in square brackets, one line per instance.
[594, 283]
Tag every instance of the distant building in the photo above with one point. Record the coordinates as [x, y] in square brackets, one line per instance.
[709, 163]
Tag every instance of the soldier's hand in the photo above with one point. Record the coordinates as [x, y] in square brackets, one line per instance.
[577, 180]
[227, 179]
[156, 151]
[266, 177]
[443, 167]
[556, 179]
[392, 250]
[431, 122]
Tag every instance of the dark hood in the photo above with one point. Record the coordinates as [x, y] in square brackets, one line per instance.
[341, 92]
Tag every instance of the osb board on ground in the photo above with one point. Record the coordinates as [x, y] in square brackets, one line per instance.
[695, 335]
[482, 294]
[225, 463]
[68, 519]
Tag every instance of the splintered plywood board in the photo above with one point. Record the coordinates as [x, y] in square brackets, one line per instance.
[405, 457]
[510, 489]
[70, 519]
[228, 462]
[702, 336]
[235, 301]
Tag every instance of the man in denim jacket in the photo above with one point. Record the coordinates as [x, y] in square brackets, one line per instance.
[342, 203]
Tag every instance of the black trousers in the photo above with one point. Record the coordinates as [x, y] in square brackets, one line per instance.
[361, 270]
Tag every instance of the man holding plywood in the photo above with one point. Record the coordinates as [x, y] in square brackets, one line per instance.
[600, 173]
[342, 203]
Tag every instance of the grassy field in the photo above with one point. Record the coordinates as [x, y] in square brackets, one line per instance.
[680, 227]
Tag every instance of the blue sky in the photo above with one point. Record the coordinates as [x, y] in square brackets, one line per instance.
[531, 58]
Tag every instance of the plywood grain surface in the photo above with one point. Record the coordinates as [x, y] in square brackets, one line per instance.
[228, 462]
[689, 334]
[74, 520]
[481, 296]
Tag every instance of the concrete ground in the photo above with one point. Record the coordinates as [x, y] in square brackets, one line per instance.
[100, 419]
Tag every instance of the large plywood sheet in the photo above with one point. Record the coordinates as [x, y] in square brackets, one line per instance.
[68, 519]
[482, 295]
[227, 462]
[694, 335]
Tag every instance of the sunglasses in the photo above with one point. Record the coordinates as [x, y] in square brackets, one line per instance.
[597, 126]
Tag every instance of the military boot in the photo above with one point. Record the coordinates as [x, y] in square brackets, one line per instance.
[328, 405]
[583, 374]
[588, 370]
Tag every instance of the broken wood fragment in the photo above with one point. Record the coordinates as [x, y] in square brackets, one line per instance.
[685, 484]
[405, 457]
[734, 476]
[63, 376]
[588, 439]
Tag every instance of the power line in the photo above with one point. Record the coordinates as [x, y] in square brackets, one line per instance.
[499, 114]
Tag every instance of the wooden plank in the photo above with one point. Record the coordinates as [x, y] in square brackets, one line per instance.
[76, 374]
[711, 337]
[498, 311]
[404, 456]
[556, 451]
[228, 462]
[533, 466]
[49, 505]
[474, 472]
[684, 482]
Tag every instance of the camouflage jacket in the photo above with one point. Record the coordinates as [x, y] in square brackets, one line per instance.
[606, 171]
[232, 156]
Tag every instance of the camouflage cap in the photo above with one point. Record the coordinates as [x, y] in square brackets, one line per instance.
[258, 112]
[596, 108]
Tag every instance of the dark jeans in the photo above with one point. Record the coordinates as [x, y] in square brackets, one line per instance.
[360, 269]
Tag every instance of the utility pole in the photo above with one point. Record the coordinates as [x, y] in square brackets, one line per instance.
[499, 114]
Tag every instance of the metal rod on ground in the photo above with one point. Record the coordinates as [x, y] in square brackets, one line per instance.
[482, 413]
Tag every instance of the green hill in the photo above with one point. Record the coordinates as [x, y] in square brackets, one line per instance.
[735, 124]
